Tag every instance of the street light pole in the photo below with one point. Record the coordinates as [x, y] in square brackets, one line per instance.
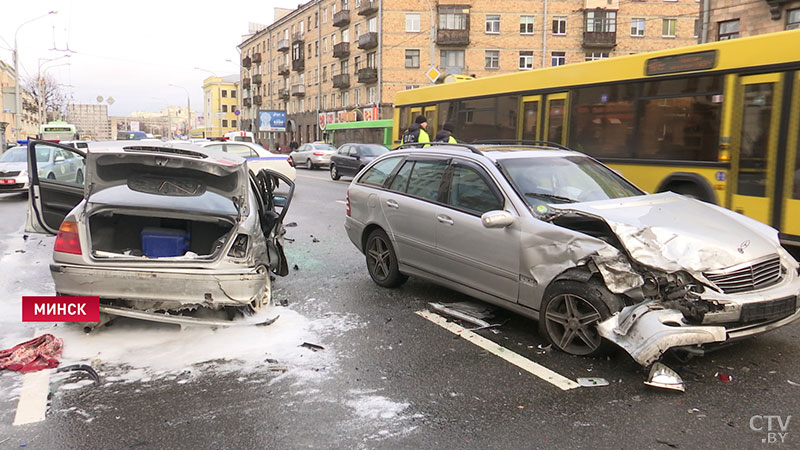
[17, 97]
[42, 104]
[188, 109]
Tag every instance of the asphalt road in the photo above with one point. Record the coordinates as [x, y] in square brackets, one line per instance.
[388, 378]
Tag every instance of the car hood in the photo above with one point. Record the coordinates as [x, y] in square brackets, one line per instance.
[672, 232]
[169, 170]
[13, 166]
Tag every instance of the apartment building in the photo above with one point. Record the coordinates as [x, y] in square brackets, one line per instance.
[29, 119]
[90, 120]
[220, 105]
[730, 19]
[346, 59]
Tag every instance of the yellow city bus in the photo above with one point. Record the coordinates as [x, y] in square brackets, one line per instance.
[717, 121]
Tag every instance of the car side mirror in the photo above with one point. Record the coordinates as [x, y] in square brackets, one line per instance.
[357, 157]
[497, 219]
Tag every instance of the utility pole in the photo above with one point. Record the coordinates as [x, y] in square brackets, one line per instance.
[17, 96]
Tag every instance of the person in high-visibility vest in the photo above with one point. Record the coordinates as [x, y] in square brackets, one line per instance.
[417, 132]
[446, 134]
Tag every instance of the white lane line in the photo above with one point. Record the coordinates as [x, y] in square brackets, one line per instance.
[341, 201]
[516, 359]
[32, 405]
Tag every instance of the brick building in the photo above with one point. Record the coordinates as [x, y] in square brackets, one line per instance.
[351, 57]
[730, 19]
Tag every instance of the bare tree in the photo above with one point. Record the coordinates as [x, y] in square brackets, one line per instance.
[49, 98]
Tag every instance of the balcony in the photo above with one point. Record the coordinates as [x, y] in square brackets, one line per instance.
[368, 40]
[246, 62]
[341, 50]
[299, 65]
[341, 18]
[368, 75]
[257, 100]
[341, 81]
[599, 39]
[297, 37]
[283, 94]
[245, 83]
[299, 90]
[256, 58]
[452, 37]
[368, 8]
[283, 69]
[257, 79]
[283, 45]
[247, 103]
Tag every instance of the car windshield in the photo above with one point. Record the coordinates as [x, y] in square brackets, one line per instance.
[568, 179]
[19, 154]
[373, 150]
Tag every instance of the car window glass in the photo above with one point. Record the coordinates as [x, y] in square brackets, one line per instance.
[214, 147]
[344, 149]
[43, 155]
[241, 150]
[353, 151]
[69, 171]
[373, 150]
[377, 174]
[469, 192]
[426, 177]
[400, 181]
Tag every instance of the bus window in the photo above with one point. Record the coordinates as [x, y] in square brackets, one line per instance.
[603, 120]
[556, 106]
[531, 117]
[753, 147]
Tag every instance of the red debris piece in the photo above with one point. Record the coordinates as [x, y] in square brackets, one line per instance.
[724, 378]
[37, 354]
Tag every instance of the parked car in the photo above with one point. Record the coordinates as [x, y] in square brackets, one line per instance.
[257, 156]
[349, 159]
[313, 155]
[14, 170]
[162, 228]
[554, 235]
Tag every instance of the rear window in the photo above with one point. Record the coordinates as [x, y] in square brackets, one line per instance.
[379, 173]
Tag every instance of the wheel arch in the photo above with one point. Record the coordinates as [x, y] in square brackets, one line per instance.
[367, 231]
[701, 185]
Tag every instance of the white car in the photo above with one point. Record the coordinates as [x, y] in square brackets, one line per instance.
[257, 156]
[313, 155]
[14, 170]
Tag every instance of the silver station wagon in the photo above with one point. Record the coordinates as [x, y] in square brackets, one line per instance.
[554, 235]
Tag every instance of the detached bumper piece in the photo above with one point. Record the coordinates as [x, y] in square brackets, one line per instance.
[178, 320]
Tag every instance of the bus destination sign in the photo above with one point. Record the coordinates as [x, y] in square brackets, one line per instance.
[686, 62]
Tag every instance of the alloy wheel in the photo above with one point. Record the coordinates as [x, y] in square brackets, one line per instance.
[571, 324]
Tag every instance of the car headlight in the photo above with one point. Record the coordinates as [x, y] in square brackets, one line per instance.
[23, 173]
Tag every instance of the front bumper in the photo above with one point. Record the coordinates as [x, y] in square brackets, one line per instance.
[13, 184]
[167, 288]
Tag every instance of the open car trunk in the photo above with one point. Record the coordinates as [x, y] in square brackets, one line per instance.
[120, 234]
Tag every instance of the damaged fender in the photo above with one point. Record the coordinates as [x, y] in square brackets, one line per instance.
[646, 331]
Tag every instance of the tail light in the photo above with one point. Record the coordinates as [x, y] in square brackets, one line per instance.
[319, 154]
[290, 161]
[348, 203]
[67, 240]
[239, 247]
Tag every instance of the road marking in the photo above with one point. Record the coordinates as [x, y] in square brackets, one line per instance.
[516, 359]
[341, 201]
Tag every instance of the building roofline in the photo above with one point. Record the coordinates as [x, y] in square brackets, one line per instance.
[278, 23]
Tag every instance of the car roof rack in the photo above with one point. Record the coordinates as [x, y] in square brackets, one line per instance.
[520, 142]
[439, 144]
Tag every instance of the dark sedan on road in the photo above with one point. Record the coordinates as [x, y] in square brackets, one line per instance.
[351, 158]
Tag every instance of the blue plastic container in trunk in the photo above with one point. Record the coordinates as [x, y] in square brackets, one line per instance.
[164, 242]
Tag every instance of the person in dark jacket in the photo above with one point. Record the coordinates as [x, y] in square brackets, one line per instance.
[294, 145]
[417, 132]
[446, 134]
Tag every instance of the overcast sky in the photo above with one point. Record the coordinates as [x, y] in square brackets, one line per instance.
[131, 51]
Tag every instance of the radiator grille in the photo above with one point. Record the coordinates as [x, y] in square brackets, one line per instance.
[757, 275]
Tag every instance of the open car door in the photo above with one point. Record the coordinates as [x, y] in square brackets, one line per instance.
[57, 174]
[273, 204]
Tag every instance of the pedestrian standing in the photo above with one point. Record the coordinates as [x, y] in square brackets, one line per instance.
[417, 132]
[294, 145]
[446, 134]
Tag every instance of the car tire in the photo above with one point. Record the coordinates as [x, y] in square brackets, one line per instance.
[79, 177]
[334, 173]
[309, 164]
[382, 261]
[570, 313]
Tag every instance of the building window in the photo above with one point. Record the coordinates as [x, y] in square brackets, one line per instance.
[558, 59]
[560, 25]
[233, 124]
[493, 24]
[372, 95]
[356, 63]
[411, 86]
[525, 60]
[224, 93]
[357, 96]
[452, 18]
[372, 25]
[346, 35]
[316, 48]
[309, 51]
[324, 15]
[412, 23]
[637, 26]
[224, 108]
[324, 73]
[358, 31]
[601, 21]
[412, 59]
[594, 56]
[371, 60]
[233, 94]
[728, 30]
[224, 123]
[526, 24]
[793, 20]
[452, 60]
[696, 27]
[492, 59]
[345, 99]
[324, 45]
[669, 27]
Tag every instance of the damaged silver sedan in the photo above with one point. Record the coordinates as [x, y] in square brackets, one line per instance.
[556, 236]
[158, 230]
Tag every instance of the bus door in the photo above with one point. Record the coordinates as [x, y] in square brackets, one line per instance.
[790, 223]
[555, 121]
[433, 120]
[754, 164]
[530, 118]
